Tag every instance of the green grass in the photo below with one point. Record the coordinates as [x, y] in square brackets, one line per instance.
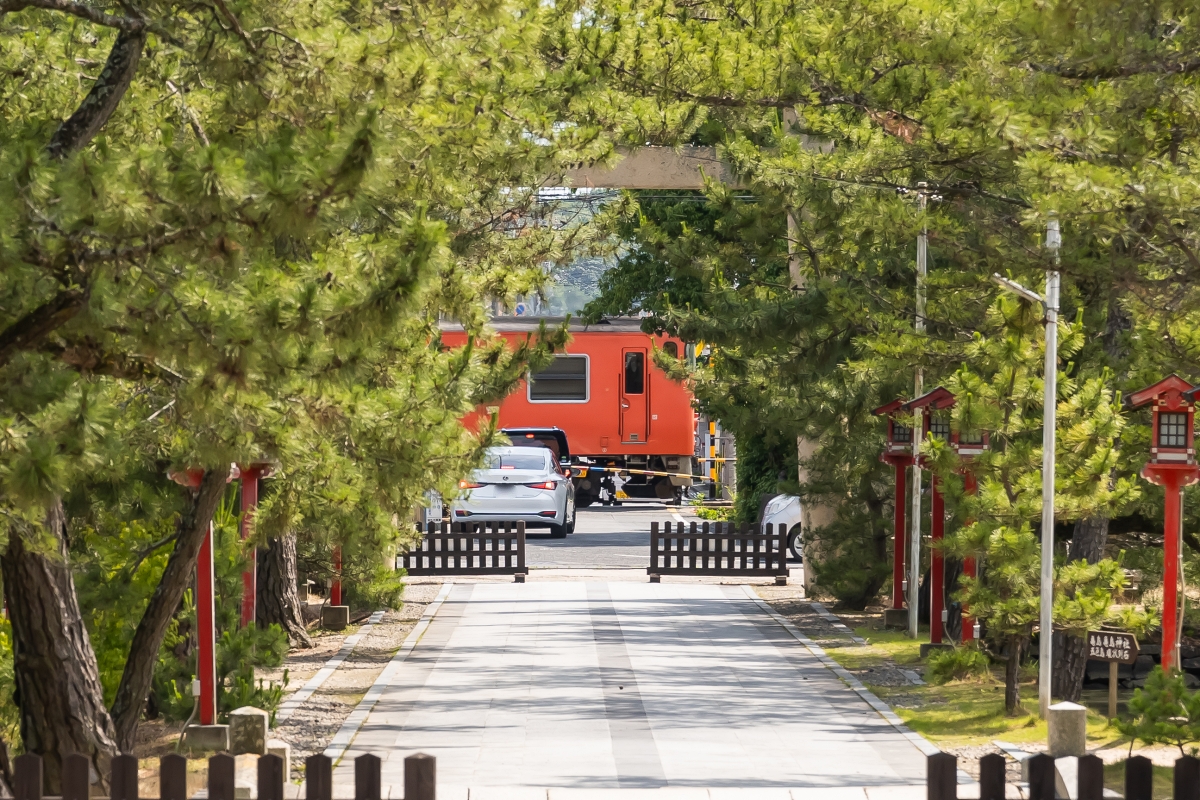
[972, 712]
[1164, 780]
[959, 712]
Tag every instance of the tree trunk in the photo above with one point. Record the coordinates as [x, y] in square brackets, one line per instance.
[278, 601]
[147, 639]
[1012, 672]
[1070, 652]
[57, 680]
[6, 778]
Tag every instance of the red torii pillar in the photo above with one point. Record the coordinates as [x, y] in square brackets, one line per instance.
[206, 610]
[250, 475]
[898, 453]
[1172, 466]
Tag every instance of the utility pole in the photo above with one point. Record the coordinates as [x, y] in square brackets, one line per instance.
[914, 546]
[1049, 411]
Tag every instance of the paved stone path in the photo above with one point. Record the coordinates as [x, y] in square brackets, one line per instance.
[625, 686]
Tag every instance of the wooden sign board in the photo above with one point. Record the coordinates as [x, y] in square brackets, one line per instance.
[1120, 648]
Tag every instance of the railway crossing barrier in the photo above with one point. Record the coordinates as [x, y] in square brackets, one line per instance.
[468, 548]
[723, 548]
[420, 778]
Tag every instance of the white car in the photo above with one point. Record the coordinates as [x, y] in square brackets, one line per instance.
[519, 484]
[784, 509]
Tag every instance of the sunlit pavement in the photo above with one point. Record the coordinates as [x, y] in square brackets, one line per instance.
[620, 685]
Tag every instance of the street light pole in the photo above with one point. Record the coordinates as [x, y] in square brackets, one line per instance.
[1049, 411]
[914, 547]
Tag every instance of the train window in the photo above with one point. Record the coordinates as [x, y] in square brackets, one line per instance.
[635, 372]
[672, 349]
[564, 381]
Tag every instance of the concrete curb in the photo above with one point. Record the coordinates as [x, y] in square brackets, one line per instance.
[824, 613]
[293, 703]
[345, 735]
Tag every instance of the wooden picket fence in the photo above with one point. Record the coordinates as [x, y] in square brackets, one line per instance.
[941, 778]
[420, 778]
[468, 548]
[722, 549]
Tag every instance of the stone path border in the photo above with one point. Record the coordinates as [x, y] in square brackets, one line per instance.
[824, 613]
[345, 735]
[301, 695]
[924, 745]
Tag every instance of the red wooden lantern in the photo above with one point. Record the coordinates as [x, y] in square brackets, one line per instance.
[899, 453]
[1172, 466]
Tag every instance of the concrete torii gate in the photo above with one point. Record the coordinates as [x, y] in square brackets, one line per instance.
[687, 168]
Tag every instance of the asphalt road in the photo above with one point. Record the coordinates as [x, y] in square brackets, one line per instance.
[605, 537]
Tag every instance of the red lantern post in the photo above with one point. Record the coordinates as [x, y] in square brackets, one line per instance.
[898, 453]
[1172, 466]
[968, 446]
[335, 591]
[938, 425]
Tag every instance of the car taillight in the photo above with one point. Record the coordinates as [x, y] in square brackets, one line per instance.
[468, 485]
[543, 485]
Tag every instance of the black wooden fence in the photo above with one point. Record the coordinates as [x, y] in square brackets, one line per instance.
[420, 778]
[468, 548]
[941, 778]
[721, 548]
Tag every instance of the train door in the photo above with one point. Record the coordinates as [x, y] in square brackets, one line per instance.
[634, 406]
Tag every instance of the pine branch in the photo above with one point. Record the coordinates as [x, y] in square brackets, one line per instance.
[100, 103]
[81, 10]
[34, 326]
[1126, 71]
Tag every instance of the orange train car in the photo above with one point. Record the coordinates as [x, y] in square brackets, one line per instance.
[618, 410]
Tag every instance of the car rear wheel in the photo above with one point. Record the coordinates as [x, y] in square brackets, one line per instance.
[570, 526]
[796, 543]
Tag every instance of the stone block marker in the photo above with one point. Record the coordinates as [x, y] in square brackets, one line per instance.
[1068, 730]
[278, 747]
[248, 731]
[335, 618]
[207, 738]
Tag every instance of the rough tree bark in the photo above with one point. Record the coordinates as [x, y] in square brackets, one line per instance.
[58, 686]
[134, 688]
[6, 779]
[278, 602]
[1012, 673]
[1087, 543]
[83, 125]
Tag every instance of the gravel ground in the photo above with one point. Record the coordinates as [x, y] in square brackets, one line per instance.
[310, 729]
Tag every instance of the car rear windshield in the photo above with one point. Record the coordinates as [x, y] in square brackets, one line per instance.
[533, 460]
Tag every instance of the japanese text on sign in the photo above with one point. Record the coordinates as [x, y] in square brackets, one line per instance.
[1108, 646]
